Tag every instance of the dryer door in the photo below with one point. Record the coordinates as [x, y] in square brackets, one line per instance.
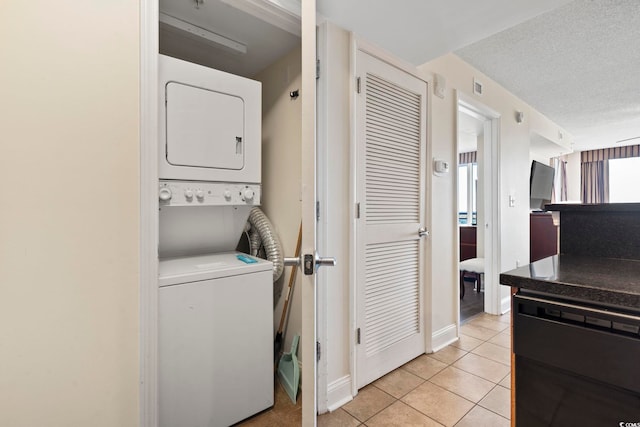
[205, 128]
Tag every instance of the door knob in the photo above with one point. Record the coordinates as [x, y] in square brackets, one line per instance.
[291, 261]
[423, 232]
[325, 261]
[313, 262]
[309, 262]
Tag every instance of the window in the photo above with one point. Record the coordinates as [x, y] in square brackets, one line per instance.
[467, 193]
[624, 176]
[610, 175]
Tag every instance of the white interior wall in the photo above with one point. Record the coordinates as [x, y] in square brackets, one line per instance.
[69, 223]
[539, 158]
[444, 221]
[482, 215]
[573, 177]
[514, 177]
[281, 171]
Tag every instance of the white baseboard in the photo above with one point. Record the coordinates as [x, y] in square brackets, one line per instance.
[444, 337]
[339, 393]
[505, 304]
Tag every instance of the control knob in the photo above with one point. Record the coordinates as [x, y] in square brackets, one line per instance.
[248, 194]
[188, 194]
[165, 194]
[227, 195]
[200, 195]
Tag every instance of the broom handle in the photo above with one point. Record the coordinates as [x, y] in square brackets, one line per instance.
[292, 279]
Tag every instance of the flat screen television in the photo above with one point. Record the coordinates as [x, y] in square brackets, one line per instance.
[541, 185]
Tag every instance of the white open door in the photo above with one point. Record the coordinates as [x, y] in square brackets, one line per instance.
[309, 259]
[390, 126]
[308, 285]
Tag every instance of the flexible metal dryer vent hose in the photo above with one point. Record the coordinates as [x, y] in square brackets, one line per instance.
[262, 233]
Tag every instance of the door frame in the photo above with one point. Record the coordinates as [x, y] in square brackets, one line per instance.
[148, 286]
[323, 238]
[358, 43]
[148, 213]
[308, 283]
[492, 299]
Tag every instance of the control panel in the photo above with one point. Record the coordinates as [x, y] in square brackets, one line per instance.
[197, 193]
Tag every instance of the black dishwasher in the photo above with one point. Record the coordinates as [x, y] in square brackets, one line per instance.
[576, 364]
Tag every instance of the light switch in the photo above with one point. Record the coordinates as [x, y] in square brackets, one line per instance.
[512, 201]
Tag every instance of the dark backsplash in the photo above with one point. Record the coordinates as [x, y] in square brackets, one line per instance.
[608, 230]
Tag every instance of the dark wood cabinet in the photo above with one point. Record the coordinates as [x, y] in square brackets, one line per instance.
[543, 236]
[468, 241]
[598, 270]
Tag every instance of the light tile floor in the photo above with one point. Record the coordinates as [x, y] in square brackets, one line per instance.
[464, 384]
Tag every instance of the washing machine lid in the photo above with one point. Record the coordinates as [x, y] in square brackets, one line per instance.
[174, 271]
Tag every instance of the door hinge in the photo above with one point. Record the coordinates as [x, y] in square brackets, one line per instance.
[358, 336]
[358, 86]
[317, 210]
[318, 351]
[357, 209]
[317, 69]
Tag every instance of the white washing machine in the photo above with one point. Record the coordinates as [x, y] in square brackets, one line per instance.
[215, 339]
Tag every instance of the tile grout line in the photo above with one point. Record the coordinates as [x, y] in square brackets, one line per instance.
[486, 358]
[449, 364]
[491, 410]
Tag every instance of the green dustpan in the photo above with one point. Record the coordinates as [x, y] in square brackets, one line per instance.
[289, 370]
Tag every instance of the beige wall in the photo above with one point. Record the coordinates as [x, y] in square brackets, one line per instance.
[281, 173]
[69, 217]
[513, 175]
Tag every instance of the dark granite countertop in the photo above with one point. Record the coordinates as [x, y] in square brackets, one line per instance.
[594, 207]
[599, 280]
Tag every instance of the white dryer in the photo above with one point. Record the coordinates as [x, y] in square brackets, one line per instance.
[215, 339]
[209, 124]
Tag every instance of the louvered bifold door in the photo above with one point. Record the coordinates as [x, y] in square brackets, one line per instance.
[390, 192]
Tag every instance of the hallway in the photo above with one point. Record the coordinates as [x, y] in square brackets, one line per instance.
[464, 384]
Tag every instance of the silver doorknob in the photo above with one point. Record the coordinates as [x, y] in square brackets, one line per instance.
[423, 232]
[325, 261]
[291, 261]
[319, 261]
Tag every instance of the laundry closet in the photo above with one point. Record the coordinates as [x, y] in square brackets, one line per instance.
[228, 142]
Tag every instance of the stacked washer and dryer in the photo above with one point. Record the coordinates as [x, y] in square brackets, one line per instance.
[215, 328]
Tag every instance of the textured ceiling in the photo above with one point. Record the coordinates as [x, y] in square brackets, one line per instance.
[579, 65]
[421, 30]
